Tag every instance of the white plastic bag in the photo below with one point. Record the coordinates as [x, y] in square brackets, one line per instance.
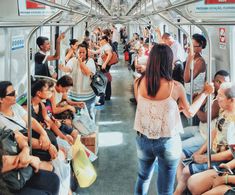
[63, 171]
[83, 122]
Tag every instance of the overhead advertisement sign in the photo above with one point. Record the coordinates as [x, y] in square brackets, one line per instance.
[219, 1]
[30, 8]
[212, 9]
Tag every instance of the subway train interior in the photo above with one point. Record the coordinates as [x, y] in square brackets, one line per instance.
[117, 97]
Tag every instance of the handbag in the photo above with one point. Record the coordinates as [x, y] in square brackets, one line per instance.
[98, 83]
[113, 60]
[15, 179]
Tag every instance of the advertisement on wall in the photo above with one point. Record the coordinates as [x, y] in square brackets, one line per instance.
[211, 8]
[219, 1]
[30, 8]
[222, 38]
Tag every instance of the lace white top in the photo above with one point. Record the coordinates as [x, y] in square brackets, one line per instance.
[158, 118]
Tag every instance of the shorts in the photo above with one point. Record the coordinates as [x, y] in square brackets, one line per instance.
[195, 167]
[66, 129]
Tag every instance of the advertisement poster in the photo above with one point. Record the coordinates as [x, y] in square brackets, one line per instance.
[30, 8]
[212, 9]
[219, 1]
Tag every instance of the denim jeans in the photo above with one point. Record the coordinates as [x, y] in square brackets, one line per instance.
[41, 183]
[192, 138]
[91, 107]
[167, 152]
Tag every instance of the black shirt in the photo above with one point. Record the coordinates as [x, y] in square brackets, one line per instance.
[41, 65]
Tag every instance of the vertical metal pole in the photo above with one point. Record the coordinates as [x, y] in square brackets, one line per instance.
[209, 79]
[27, 53]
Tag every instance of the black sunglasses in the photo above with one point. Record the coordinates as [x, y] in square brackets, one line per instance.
[13, 93]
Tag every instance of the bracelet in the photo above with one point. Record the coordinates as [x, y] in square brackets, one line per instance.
[226, 179]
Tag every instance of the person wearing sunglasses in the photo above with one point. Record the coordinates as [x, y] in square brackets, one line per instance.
[222, 136]
[13, 116]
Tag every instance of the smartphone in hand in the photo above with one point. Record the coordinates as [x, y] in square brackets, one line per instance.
[222, 171]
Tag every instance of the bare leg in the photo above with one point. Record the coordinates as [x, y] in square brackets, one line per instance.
[201, 182]
[180, 168]
[182, 181]
[219, 190]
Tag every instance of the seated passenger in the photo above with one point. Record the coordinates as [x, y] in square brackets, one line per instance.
[194, 136]
[42, 57]
[222, 135]
[37, 184]
[140, 62]
[63, 85]
[40, 91]
[210, 182]
[14, 117]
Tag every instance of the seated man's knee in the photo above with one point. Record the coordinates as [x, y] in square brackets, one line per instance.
[192, 185]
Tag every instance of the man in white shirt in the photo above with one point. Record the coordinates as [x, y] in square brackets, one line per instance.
[179, 55]
[115, 38]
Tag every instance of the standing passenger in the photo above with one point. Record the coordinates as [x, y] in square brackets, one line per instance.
[71, 52]
[42, 57]
[178, 55]
[81, 70]
[105, 49]
[158, 121]
[199, 64]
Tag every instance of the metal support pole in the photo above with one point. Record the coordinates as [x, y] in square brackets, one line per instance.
[29, 73]
[209, 79]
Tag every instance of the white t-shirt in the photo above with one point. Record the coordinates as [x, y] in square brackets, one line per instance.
[178, 52]
[103, 49]
[115, 37]
[81, 90]
[18, 114]
[141, 60]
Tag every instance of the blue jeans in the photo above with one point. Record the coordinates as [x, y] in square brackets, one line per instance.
[167, 151]
[192, 139]
[91, 107]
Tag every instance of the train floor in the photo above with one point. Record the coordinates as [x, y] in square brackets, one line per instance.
[116, 165]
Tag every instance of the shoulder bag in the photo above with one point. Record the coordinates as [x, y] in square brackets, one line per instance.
[15, 179]
[98, 82]
[113, 60]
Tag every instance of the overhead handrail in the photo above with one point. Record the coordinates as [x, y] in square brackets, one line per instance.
[209, 23]
[104, 7]
[83, 18]
[29, 72]
[18, 24]
[61, 7]
[186, 2]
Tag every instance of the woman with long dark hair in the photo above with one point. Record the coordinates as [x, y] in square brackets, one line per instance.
[158, 121]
